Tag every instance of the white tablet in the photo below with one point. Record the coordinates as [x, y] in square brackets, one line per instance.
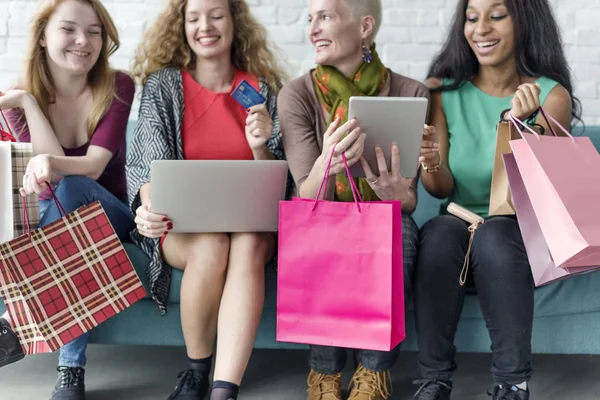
[389, 120]
[219, 196]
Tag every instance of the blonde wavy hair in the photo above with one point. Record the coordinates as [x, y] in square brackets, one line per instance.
[37, 79]
[165, 45]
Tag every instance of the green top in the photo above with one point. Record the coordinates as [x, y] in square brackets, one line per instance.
[472, 117]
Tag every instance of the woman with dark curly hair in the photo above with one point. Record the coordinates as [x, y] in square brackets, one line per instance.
[191, 58]
[501, 57]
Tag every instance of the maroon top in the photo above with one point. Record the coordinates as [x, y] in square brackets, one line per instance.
[109, 134]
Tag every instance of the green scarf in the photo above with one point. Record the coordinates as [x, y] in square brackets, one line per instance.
[334, 91]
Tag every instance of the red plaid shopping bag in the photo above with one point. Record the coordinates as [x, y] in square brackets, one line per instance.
[63, 279]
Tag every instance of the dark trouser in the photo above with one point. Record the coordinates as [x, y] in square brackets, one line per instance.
[502, 278]
[331, 360]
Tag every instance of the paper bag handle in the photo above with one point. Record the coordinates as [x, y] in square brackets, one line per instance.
[325, 181]
[516, 121]
[6, 136]
[355, 191]
[551, 118]
[25, 213]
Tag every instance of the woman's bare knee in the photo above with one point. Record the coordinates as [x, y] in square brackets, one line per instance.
[212, 248]
[196, 249]
[249, 249]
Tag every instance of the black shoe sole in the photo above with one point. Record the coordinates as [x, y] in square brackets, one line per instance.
[11, 358]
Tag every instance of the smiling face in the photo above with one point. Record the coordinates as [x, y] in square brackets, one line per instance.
[490, 31]
[335, 34]
[209, 28]
[73, 37]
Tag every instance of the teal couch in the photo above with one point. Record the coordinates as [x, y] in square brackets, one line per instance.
[567, 314]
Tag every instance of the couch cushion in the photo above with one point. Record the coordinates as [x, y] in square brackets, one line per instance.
[592, 131]
[575, 295]
[140, 262]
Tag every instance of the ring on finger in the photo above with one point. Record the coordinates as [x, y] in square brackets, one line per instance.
[145, 227]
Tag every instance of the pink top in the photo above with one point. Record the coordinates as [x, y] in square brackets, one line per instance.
[214, 123]
[109, 134]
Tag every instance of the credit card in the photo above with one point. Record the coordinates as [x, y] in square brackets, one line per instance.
[247, 96]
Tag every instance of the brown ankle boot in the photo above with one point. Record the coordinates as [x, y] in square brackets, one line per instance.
[324, 387]
[369, 385]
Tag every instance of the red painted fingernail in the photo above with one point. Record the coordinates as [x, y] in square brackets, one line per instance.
[165, 219]
[166, 233]
[170, 226]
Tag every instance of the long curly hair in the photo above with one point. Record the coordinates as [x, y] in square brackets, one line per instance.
[37, 79]
[539, 50]
[165, 45]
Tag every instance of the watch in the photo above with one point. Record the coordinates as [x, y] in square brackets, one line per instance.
[434, 168]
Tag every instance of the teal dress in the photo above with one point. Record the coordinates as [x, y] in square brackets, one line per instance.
[472, 116]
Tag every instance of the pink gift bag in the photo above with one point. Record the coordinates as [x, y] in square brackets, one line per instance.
[340, 278]
[543, 268]
[562, 180]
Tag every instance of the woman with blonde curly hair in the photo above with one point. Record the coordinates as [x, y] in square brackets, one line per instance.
[192, 57]
[73, 108]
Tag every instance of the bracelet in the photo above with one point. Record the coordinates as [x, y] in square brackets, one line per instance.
[530, 120]
[503, 115]
[434, 168]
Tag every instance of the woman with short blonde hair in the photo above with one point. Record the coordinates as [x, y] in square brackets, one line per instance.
[314, 120]
[192, 57]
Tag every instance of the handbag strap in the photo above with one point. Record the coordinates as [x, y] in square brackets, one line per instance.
[516, 121]
[61, 209]
[25, 215]
[355, 192]
[465, 269]
[25, 212]
[6, 136]
[551, 118]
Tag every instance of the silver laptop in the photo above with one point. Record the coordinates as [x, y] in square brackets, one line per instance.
[389, 120]
[219, 196]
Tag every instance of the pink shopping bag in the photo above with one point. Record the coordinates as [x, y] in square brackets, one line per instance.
[341, 280]
[560, 175]
[543, 268]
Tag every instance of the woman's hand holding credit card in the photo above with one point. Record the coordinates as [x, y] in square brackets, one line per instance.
[259, 126]
[247, 96]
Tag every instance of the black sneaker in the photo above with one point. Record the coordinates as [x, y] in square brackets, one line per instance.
[192, 385]
[10, 348]
[507, 392]
[432, 389]
[70, 384]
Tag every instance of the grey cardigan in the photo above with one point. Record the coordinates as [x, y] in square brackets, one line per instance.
[157, 136]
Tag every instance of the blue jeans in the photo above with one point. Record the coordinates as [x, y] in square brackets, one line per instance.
[331, 360]
[73, 192]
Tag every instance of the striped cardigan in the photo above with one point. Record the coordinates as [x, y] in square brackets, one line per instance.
[157, 136]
